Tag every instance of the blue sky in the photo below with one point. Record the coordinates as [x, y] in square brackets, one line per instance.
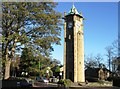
[100, 26]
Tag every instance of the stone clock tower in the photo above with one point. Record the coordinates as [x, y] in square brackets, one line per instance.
[74, 46]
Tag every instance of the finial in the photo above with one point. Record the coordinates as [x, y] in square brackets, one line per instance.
[73, 3]
[64, 14]
[73, 6]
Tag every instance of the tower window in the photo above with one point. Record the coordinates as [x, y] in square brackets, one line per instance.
[79, 33]
[69, 37]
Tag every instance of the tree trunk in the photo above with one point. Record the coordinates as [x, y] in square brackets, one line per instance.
[8, 61]
[7, 65]
[7, 69]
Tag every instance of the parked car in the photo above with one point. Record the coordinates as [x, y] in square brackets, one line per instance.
[42, 79]
[26, 82]
[17, 82]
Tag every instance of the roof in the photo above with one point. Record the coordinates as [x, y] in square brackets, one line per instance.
[97, 69]
[73, 11]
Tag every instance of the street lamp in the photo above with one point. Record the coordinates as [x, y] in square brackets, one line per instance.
[60, 75]
[47, 72]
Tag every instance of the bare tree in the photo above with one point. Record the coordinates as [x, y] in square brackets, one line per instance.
[115, 60]
[109, 54]
[94, 61]
[90, 62]
[119, 42]
[116, 48]
[99, 59]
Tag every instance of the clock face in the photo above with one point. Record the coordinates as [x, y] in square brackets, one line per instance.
[70, 24]
[77, 24]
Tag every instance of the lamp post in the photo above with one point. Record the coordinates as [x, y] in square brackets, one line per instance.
[47, 72]
[60, 75]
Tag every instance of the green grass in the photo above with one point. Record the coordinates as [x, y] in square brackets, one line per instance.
[95, 84]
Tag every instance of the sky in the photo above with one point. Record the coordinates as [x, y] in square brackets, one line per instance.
[100, 26]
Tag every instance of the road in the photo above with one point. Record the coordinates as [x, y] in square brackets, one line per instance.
[95, 88]
[41, 85]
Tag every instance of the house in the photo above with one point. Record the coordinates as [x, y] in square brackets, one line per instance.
[97, 73]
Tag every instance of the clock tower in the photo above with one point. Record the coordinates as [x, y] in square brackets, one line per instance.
[73, 46]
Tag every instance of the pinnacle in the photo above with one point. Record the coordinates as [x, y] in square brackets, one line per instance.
[73, 10]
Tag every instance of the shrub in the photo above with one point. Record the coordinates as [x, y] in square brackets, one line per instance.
[65, 82]
[116, 81]
[110, 78]
[61, 81]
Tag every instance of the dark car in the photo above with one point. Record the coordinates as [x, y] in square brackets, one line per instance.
[17, 82]
[24, 83]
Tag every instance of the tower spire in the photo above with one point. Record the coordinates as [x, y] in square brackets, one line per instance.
[73, 10]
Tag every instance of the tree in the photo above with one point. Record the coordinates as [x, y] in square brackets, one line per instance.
[116, 60]
[113, 56]
[31, 24]
[54, 62]
[115, 47]
[109, 54]
[27, 61]
[15, 66]
[32, 63]
[118, 63]
[94, 61]
[90, 62]
[99, 59]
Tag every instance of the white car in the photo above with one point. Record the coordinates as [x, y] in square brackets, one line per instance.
[45, 81]
[42, 79]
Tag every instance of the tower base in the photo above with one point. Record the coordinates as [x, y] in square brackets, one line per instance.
[78, 84]
[82, 83]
